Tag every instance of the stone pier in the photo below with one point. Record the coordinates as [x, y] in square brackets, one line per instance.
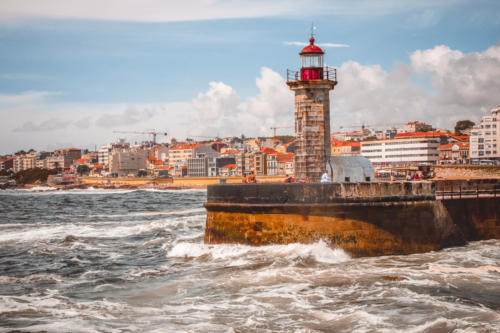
[364, 219]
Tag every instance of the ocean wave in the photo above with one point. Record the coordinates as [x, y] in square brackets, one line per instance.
[44, 190]
[320, 251]
[61, 231]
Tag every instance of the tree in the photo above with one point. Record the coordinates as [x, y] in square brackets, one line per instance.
[463, 125]
[31, 176]
[83, 168]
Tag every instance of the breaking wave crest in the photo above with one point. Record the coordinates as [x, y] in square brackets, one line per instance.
[320, 251]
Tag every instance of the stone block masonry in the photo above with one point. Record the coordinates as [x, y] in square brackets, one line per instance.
[312, 127]
[364, 219]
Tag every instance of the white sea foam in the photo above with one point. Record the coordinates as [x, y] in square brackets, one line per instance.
[454, 269]
[42, 189]
[320, 251]
[178, 212]
[60, 231]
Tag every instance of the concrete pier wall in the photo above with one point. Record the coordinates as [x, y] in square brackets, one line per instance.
[365, 219]
[321, 192]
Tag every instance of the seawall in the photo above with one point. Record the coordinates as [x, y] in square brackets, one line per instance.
[365, 219]
[170, 182]
[461, 171]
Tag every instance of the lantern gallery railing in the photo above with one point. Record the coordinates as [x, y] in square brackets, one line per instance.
[325, 73]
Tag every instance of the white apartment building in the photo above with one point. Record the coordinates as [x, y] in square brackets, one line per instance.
[25, 162]
[485, 138]
[103, 154]
[125, 161]
[405, 151]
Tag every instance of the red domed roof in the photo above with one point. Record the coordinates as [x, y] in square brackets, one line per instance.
[311, 48]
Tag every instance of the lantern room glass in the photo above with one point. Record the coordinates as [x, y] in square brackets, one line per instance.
[311, 60]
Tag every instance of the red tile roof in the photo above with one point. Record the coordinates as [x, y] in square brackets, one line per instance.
[186, 146]
[284, 158]
[267, 150]
[340, 143]
[450, 145]
[417, 123]
[419, 134]
[233, 151]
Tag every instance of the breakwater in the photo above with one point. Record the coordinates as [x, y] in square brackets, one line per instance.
[364, 219]
[176, 182]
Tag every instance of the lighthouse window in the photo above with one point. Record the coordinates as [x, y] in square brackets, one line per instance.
[311, 61]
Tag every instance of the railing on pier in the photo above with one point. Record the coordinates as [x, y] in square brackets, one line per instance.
[329, 74]
[465, 189]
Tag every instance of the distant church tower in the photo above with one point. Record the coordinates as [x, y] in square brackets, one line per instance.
[312, 112]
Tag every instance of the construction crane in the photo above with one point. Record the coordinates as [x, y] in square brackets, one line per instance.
[371, 125]
[276, 127]
[153, 133]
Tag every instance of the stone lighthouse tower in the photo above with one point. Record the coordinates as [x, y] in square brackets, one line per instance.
[312, 112]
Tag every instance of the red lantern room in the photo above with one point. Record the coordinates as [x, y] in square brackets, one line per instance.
[311, 62]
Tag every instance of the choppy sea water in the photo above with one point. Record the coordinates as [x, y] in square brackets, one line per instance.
[135, 261]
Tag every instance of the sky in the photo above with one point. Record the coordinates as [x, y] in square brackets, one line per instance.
[74, 71]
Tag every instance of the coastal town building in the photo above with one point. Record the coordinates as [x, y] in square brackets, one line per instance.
[228, 170]
[197, 167]
[260, 163]
[244, 163]
[285, 165]
[407, 150]
[389, 133]
[103, 154]
[485, 139]
[454, 153]
[6, 163]
[63, 158]
[272, 164]
[178, 154]
[415, 126]
[357, 135]
[345, 148]
[125, 161]
[25, 162]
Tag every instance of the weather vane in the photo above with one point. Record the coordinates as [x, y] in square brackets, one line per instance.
[312, 29]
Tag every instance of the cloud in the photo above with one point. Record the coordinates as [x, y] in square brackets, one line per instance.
[45, 126]
[273, 105]
[27, 97]
[214, 111]
[464, 87]
[423, 19]
[320, 44]
[128, 117]
[137, 10]
[470, 80]
[187, 10]
[219, 111]
[84, 122]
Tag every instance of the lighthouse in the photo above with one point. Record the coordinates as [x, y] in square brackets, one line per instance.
[312, 85]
